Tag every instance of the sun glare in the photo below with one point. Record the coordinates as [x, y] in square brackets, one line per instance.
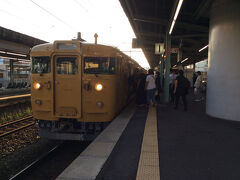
[59, 20]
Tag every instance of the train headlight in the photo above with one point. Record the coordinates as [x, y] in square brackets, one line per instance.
[36, 85]
[99, 87]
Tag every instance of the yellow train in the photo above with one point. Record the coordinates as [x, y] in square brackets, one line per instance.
[78, 88]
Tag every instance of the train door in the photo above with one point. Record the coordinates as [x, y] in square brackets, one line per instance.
[67, 88]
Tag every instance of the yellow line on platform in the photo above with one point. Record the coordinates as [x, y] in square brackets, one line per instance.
[148, 166]
[14, 97]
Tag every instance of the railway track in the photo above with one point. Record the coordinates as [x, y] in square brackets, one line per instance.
[23, 172]
[15, 126]
[10, 100]
[53, 162]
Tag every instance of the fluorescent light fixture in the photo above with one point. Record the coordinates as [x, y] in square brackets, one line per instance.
[173, 23]
[175, 65]
[16, 54]
[25, 62]
[3, 57]
[176, 15]
[24, 59]
[184, 60]
[203, 48]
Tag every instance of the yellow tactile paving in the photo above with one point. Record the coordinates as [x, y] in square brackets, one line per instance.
[148, 166]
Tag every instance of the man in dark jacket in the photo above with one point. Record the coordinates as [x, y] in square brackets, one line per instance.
[181, 89]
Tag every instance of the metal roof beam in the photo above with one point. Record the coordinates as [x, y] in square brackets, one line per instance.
[151, 34]
[164, 22]
[190, 35]
[134, 24]
[151, 20]
[201, 9]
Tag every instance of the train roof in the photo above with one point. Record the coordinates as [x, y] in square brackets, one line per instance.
[43, 47]
[49, 47]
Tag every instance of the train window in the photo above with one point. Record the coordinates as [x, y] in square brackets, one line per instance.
[67, 65]
[99, 65]
[41, 65]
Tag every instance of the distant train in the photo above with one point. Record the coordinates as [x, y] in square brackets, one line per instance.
[78, 88]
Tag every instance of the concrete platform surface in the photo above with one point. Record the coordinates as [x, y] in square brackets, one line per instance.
[194, 146]
[191, 146]
[90, 162]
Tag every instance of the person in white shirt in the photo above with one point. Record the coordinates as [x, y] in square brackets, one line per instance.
[150, 87]
[198, 87]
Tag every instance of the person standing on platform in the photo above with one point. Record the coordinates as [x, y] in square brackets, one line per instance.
[181, 89]
[171, 85]
[198, 87]
[141, 99]
[194, 78]
[150, 87]
[158, 86]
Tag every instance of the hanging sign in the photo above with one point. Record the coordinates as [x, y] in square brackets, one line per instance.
[159, 48]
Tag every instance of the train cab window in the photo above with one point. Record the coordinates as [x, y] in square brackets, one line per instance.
[67, 65]
[99, 65]
[41, 65]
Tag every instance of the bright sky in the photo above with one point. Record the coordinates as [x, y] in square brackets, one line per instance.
[51, 20]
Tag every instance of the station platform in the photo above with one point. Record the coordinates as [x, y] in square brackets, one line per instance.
[161, 143]
[10, 92]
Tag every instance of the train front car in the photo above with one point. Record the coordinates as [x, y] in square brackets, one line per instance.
[77, 89]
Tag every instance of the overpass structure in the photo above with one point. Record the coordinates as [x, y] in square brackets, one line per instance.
[199, 29]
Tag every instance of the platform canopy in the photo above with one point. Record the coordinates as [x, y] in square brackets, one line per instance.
[151, 21]
[15, 45]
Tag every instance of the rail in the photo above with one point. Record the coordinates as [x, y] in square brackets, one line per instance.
[15, 126]
[11, 100]
[35, 163]
[14, 97]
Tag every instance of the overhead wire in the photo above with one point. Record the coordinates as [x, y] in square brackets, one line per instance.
[79, 4]
[59, 19]
[24, 20]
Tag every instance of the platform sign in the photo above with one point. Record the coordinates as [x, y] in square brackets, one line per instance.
[159, 48]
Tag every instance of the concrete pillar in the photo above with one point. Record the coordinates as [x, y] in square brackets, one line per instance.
[223, 91]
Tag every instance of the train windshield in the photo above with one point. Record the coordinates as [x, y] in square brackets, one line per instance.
[41, 65]
[99, 65]
[67, 65]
